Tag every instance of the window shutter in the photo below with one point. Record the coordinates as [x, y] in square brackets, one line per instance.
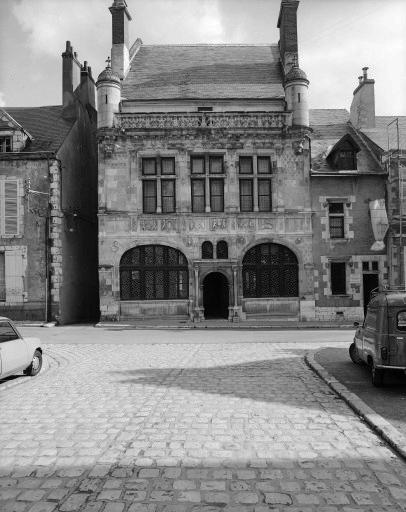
[11, 208]
[14, 276]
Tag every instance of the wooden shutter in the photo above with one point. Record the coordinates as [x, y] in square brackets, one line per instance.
[15, 270]
[11, 207]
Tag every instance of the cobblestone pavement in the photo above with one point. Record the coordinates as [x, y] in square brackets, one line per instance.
[188, 428]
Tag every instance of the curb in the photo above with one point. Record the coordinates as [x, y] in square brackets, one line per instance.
[47, 364]
[381, 426]
[232, 326]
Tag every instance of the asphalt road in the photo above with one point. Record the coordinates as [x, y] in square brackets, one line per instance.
[388, 401]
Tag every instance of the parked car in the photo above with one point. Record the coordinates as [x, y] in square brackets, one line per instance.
[18, 354]
[380, 342]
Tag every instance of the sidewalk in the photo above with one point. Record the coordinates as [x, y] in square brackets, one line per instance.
[382, 408]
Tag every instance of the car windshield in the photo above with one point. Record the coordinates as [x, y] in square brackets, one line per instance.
[7, 333]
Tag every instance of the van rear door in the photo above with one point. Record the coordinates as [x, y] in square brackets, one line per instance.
[397, 357]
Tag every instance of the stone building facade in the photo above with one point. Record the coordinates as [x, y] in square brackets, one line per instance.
[48, 204]
[204, 179]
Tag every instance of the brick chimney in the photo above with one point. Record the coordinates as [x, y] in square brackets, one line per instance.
[87, 89]
[362, 112]
[120, 51]
[287, 24]
[70, 74]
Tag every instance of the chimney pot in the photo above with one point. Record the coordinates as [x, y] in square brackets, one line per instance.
[360, 79]
[75, 55]
[365, 74]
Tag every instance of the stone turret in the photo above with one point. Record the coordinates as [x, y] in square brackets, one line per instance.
[108, 96]
[296, 92]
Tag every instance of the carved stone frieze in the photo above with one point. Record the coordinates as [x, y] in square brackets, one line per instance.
[253, 120]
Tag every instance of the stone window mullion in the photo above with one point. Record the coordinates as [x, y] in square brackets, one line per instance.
[255, 186]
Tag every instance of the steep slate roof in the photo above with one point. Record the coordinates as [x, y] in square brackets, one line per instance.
[379, 134]
[44, 124]
[204, 72]
[329, 126]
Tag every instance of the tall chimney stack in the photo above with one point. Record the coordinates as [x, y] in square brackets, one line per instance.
[287, 24]
[362, 112]
[120, 51]
[70, 74]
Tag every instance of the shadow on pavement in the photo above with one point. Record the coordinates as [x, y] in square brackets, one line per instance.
[389, 401]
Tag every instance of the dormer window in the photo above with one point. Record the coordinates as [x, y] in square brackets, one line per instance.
[5, 144]
[343, 156]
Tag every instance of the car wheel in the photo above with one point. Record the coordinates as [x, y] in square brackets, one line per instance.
[377, 376]
[354, 354]
[36, 364]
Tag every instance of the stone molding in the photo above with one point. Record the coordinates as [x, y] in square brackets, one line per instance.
[198, 120]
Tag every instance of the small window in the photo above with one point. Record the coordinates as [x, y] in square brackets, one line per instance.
[264, 196]
[298, 97]
[264, 165]
[148, 166]
[246, 196]
[197, 165]
[167, 165]
[222, 250]
[246, 166]
[217, 195]
[365, 266]
[401, 321]
[5, 144]
[149, 196]
[168, 196]
[336, 220]
[216, 165]
[207, 251]
[344, 157]
[338, 278]
[198, 196]
[205, 109]
[375, 265]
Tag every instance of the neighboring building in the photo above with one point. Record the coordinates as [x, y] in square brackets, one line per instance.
[204, 200]
[48, 204]
[386, 136]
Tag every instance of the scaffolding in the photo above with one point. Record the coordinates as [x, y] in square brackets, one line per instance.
[393, 155]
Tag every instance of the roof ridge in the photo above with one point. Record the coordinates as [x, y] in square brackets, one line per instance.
[210, 44]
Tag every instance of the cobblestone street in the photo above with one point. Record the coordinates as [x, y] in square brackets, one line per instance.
[244, 427]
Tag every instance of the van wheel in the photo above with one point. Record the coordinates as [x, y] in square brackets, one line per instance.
[377, 376]
[354, 354]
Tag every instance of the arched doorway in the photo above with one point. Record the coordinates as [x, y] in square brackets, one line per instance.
[215, 295]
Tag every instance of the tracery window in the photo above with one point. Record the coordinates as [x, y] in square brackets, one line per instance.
[222, 250]
[207, 250]
[153, 272]
[270, 270]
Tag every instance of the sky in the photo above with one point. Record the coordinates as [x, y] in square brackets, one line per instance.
[337, 38]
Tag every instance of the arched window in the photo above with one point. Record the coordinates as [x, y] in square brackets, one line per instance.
[153, 272]
[222, 250]
[207, 251]
[270, 270]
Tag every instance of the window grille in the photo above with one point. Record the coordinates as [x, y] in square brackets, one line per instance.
[336, 220]
[338, 278]
[207, 250]
[153, 272]
[222, 250]
[270, 270]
